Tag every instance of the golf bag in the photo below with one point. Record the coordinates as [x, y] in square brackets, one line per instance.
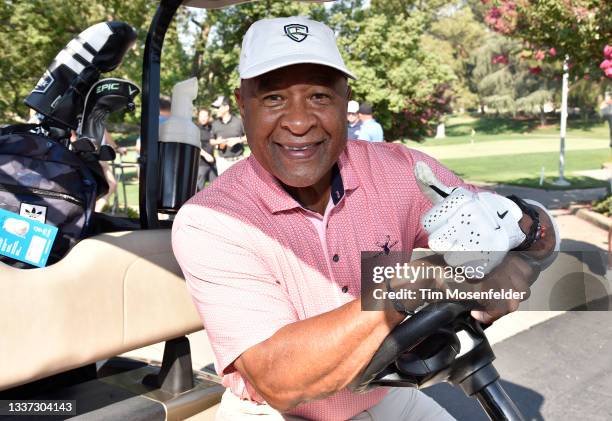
[43, 180]
[44, 175]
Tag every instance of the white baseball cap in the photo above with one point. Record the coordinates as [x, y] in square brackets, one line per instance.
[353, 107]
[270, 44]
[219, 102]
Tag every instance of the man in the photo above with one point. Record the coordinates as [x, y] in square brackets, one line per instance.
[165, 111]
[165, 108]
[227, 135]
[107, 170]
[354, 124]
[271, 251]
[207, 170]
[371, 130]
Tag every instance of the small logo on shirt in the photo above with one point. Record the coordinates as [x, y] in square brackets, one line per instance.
[386, 246]
[296, 32]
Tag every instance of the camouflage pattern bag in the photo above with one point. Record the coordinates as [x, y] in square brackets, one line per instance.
[43, 180]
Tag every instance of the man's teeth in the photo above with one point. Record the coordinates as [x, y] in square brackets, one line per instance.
[295, 148]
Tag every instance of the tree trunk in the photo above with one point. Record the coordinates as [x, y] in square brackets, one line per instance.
[585, 114]
[200, 48]
[542, 116]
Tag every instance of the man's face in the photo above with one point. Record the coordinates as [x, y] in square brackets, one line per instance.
[222, 111]
[352, 117]
[203, 117]
[295, 121]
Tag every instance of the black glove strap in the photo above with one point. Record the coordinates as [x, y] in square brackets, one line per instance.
[535, 231]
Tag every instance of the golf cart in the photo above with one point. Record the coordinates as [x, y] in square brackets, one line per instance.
[65, 324]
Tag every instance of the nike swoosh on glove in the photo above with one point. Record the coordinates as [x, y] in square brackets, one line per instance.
[469, 229]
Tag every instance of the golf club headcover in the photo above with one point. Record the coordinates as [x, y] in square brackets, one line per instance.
[105, 97]
[60, 92]
[469, 229]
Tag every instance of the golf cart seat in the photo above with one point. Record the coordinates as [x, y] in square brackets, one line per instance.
[112, 293]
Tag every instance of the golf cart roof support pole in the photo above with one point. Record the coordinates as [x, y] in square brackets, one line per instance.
[149, 123]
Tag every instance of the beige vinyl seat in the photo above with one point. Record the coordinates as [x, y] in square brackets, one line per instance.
[111, 294]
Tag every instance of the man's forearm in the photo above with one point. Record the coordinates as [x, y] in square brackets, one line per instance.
[316, 357]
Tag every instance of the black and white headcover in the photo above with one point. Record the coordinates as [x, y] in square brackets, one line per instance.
[60, 93]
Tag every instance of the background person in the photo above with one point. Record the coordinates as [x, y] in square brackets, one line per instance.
[227, 135]
[207, 170]
[165, 110]
[107, 170]
[370, 130]
[352, 116]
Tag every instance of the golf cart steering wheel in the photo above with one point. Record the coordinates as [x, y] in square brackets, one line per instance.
[422, 344]
[440, 343]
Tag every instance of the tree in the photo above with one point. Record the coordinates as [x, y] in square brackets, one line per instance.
[32, 32]
[577, 28]
[407, 85]
[454, 37]
[219, 35]
[508, 79]
[408, 7]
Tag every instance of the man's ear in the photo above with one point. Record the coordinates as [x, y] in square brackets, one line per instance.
[239, 100]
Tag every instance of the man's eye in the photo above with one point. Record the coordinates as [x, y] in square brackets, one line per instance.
[272, 99]
[321, 98]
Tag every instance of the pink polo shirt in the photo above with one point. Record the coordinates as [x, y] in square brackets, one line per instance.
[254, 261]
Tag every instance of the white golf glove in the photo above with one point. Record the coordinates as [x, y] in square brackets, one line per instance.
[468, 229]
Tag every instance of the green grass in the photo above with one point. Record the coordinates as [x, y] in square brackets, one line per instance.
[514, 151]
[490, 129]
[524, 169]
[576, 182]
[132, 194]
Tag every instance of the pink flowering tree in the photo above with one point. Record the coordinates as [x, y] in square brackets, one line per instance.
[606, 64]
[581, 29]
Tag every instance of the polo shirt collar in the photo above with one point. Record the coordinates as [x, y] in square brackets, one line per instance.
[276, 199]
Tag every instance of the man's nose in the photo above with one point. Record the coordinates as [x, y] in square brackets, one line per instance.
[298, 119]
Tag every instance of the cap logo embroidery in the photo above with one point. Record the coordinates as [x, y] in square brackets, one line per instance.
[296, 32]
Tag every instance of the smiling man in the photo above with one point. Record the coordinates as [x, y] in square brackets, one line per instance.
[271, 250]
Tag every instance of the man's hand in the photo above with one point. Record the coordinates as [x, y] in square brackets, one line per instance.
[233, 141]
[514, 274]
[468, 229]
[218, 141]
[207, 157]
